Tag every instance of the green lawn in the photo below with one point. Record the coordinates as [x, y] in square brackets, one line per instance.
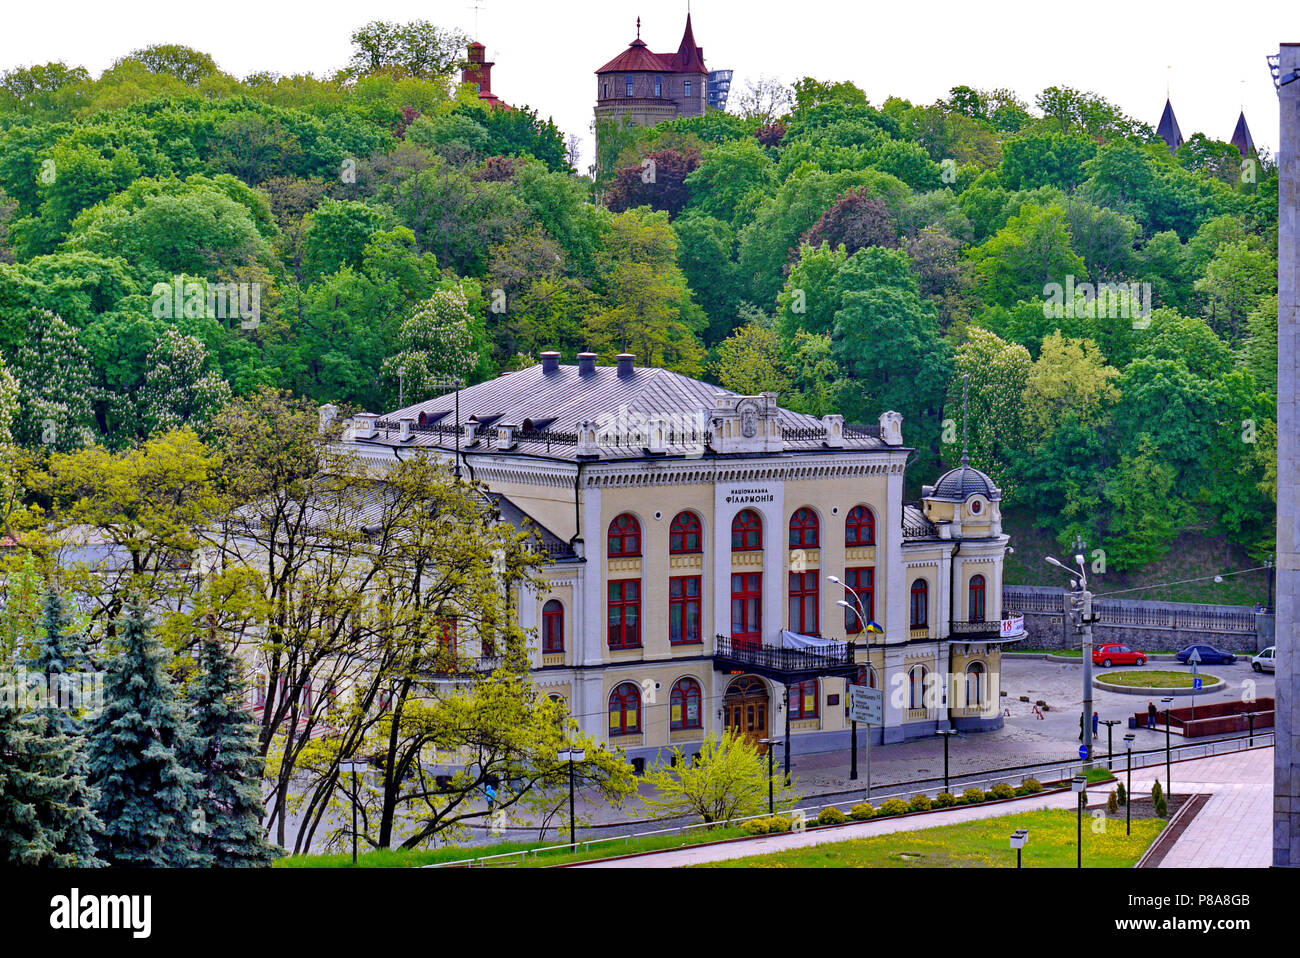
[980, 844]
[1156, 679]
[429, 856]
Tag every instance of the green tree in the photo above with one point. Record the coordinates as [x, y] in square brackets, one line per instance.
[436, 344]
[1070, 379]
[146, 795]
[222, 749]
[996, 430]
[1145, 511]
[1031, 251]
[729, 780]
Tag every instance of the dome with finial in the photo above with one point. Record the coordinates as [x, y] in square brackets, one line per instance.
[958, 485]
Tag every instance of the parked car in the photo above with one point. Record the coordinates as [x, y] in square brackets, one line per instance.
[1264, 661]
[1108, 655]
[1209, 655]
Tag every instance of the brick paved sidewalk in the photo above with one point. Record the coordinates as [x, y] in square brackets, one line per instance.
[1232, 831]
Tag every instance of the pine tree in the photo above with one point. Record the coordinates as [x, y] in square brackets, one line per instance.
[145, 792]
[24, 839]
[66, 809]
[223, 751]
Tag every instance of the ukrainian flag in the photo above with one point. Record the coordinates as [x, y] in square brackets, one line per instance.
[875, 629]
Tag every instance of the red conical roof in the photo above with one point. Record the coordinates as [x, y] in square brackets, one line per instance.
[689, 59]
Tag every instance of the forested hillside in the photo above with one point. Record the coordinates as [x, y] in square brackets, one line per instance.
[379, 231]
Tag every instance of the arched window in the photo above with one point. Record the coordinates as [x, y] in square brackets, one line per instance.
[659, 86]
[746, 531]
[685, 535]
[624, 536]
[976, 685]
[803, 529]
[977, 598]
[625, 710]
[803, 700]
[920, 603]
[553, 626]
[916, 683]
[684, 704]
[860, 527]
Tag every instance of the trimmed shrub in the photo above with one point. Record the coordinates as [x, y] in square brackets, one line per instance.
[1032, 785]
[755, 826]
[972, 796]
[831, 816]
[895, 806]
[1003, 790]
[1112, 803]
[1122, 793]
[945, 800]
[920, 803]
[1159, 801]
[862, 811]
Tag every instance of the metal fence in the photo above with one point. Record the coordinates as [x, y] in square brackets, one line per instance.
[1146, 615]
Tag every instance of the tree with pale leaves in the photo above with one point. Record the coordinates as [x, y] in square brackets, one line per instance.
[182, 386]
[57, 392]
[436, 344]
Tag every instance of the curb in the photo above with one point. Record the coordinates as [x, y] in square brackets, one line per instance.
[1150, 691]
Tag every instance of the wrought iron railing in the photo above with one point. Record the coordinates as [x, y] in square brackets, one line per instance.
[835, 655]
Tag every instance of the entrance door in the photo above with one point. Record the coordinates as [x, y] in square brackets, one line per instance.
[745, 708]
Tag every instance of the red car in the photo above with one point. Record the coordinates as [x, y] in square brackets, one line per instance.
[1108, 655]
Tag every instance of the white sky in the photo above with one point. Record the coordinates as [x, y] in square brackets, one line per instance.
[546, 52]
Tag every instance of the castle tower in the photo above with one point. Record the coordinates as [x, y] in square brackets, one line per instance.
[645, 88]
[478, 71]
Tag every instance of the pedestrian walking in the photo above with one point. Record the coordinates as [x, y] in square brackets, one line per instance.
[1151, 715]
[1096, 719]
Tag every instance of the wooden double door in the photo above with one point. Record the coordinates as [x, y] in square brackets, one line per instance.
[745, 708]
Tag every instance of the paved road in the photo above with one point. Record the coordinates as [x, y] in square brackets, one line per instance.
[1232, 830]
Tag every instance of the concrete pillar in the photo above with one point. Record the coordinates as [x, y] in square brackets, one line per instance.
[1286, 783]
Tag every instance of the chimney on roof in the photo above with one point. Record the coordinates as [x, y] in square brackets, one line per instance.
[550, 362]
[626, 364]
[586, 364]
[406, 428]
[363, 425]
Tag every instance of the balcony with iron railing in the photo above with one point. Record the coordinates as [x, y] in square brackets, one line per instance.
[782, 664]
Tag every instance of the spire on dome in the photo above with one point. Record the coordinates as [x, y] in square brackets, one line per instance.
[965, 418]
[1241, 137]
[1168, 128]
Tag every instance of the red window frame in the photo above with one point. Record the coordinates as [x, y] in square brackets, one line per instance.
[624, 598]
[920, 617]
[684, 605]
[624, 536]
[747, 608]
[685, 693]
[746, 531]
[553, 626]
[625, 695]
[863, 582]
[977, 606]
[860, 527]
[686, 534]
[447, 640]
[804, 702]
[805, 529]
[804, 599]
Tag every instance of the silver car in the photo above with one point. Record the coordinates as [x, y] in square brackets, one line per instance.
[1264, 661]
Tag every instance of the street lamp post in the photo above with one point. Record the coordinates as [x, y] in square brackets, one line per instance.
[1078, 784]
[946, 733]
[1250, 717]
[353, 765]
[771, 744]
[1110, 742]
[572, 755]
[1268, 563]
[1168, 700]
[1128, 794]
[1018, 839]
[1080, 608]
[862, 620]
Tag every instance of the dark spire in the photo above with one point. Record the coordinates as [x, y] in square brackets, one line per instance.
[638, 28]
[1241, 137]
[688, 58]
[1168, 128]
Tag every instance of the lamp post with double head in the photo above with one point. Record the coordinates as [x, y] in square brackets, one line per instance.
[572, 756]
[862, 620]
[353, 765]
[1079, 783]
[1110, 742]
[1080, 608]
[1168, 701]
